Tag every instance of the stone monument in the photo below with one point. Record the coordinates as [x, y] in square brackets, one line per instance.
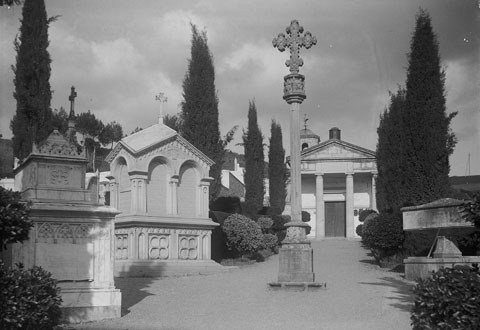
[72, 236]
[296, 254]
[443, 213]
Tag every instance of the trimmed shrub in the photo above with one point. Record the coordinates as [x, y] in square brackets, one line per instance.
[305, 216]
[29, 298]
[383, 232]
[265, 224]
[15, 224]
[269, 241]
[471, 210]
[364, 213]
[449, 299]
[243, 234]
[359, 230]
[219, 247]
[279, 222]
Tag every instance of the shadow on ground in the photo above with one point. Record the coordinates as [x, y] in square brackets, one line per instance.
[133, 291]
[403, 298]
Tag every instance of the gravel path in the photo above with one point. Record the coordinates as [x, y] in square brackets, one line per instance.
[359, 295]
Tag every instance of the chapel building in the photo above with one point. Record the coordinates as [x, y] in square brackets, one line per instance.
[338, 180]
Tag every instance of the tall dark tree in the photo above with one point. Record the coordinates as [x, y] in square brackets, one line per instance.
[276, 170]
[32, 120]
[199, 114]
[173, 121]
[254, 163]
[113, 132]
[390, 164]
[428, 140]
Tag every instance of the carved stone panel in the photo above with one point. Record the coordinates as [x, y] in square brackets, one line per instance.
[188, 247]
[158, 246]
[121, 246]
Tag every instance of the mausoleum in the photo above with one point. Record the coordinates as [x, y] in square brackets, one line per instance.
[338, 180]
[160, 184]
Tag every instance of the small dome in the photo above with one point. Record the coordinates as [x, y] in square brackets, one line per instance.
[306, 133]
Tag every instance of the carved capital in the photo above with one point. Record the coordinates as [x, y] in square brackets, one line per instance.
[294, 88]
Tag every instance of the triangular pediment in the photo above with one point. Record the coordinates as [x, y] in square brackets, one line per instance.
[337, 149]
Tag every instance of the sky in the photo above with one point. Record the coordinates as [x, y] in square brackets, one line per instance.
[119, 54]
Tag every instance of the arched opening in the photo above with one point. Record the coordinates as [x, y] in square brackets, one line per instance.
[157, 187]
[304, 145]
[124, 187]
[187, 191]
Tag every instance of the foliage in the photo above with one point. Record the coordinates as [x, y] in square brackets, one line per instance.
[229, 204]
[414, 135]
[265, 224]
[29, 299]
[306, 216]
[383, 232]
[277, 175]
[270, 241]
[15, 224]
[279, 222]
[471, 210]
[32, 120]
[219, 242]
[449, 299]
[364, 213]
[111, 133]
[60, 120]
[199, 116]
[10, 2]
[359, 230]
[254, 163]
[243, 234]
[173, 121]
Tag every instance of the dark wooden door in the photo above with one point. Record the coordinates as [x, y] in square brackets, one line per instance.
[335, 219]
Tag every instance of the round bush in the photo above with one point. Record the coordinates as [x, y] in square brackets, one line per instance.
[243, 234]
[359, 230]
[29, 299]
[384, 232]
[364, 213]
[305, 216]
[449, 299]
[265, 223]
[270, 241]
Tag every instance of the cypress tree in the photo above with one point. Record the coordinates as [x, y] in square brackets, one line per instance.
[428, 141]
[254, 163]
[276, 170]
[199, 116]
[32, 120]
[390, 179]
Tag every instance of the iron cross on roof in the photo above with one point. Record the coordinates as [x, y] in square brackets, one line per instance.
[294, 40]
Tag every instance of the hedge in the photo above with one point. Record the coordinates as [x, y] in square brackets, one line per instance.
[449, 299]
[243, 234]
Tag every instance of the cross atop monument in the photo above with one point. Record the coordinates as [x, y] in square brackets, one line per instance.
[162, 98]
[71, 98]
[294, 40]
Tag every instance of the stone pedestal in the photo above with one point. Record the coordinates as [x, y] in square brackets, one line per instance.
[72, 237]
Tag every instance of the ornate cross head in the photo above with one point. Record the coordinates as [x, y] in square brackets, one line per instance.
[294, 40]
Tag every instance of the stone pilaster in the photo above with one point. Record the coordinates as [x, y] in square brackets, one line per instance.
[172, 202]
[113, 193]
[320, 207]
[349, 206]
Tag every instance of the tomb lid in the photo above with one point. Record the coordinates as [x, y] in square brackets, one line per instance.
[439, 203]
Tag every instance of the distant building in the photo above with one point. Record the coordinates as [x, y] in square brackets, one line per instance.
[338, 179]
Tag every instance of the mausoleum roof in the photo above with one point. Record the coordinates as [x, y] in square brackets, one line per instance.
[148, 137]
[306, 133]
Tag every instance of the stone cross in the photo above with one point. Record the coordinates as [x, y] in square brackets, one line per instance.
[162, 98]
[294, 40]
[71, 98]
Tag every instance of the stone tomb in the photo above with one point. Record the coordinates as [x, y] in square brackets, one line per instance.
[160, 183]
[443, 213]
[72, 237]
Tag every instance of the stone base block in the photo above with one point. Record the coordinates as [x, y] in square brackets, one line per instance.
[89, 304]
[297, 286]
[158, 268]
[422, 267]
[296, 263]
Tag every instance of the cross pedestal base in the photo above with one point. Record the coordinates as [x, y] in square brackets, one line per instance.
[296, 261]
